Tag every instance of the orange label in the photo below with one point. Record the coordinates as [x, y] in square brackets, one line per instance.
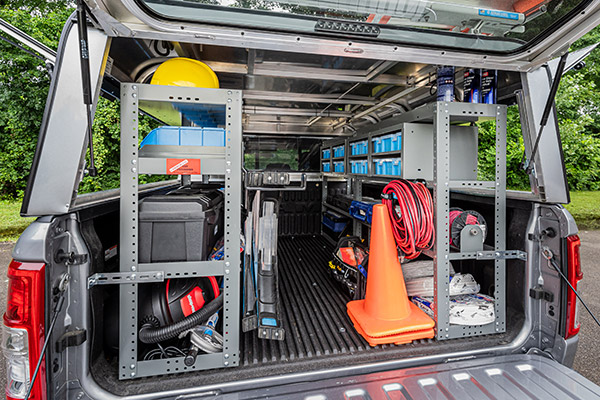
[183, 166]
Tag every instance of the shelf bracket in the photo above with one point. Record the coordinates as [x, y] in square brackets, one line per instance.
[125, 277]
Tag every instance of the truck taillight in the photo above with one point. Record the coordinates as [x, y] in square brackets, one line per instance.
[574, 275]
[23, 330]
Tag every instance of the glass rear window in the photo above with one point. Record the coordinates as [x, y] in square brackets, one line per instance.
[493, 25]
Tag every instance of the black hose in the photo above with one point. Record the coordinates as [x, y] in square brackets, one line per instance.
[150, 334]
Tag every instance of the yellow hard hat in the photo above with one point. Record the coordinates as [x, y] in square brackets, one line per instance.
[181, 71]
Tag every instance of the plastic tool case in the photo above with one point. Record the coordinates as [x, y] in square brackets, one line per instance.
[180, 226]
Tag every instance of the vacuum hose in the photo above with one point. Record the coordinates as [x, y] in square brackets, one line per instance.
[150, 334]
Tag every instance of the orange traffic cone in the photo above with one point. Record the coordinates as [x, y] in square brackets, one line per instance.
[386, 315]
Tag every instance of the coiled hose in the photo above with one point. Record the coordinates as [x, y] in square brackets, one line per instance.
[411, 210]
[150, 334]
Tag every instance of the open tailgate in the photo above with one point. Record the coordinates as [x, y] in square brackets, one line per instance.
[520, 376]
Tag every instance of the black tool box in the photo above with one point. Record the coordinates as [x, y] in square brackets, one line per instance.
[180, 226]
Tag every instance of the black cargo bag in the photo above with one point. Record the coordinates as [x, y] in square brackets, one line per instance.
[352, 278]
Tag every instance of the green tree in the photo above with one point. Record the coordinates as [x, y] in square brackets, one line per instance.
[24, 83]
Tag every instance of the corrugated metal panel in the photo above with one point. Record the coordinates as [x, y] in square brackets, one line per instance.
[507, 377]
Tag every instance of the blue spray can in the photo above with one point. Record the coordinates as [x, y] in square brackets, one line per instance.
[472, 86]
[489, 83]
[445, 83]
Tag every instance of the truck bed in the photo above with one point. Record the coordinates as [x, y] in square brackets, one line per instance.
[319, 334]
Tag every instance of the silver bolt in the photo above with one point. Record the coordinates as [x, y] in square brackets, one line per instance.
[226, 363]
[132, 374]
[133, 170]
[474, 232]
[80, 395]
[134, 87]
[226, 272]
[497, 254]
[134, 161]
[229, 92]
[226, 356]
[133, 268]
[227, 263]
[132, 366]
[132, 276]
[228, 162]
[229, 100]
[159, 275]
[134, 95]
[446, 329]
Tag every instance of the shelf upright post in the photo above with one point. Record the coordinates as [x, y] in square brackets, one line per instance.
[441, 193]
[500, 220]
[128, 243]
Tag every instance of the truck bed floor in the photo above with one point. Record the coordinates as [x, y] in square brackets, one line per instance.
[319, 334]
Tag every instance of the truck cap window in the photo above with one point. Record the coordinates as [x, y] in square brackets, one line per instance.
[495, 26]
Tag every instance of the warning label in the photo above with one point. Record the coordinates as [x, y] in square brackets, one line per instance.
[183, 166]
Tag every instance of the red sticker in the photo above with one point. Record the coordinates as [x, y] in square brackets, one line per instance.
[192, 302]
[183, 166]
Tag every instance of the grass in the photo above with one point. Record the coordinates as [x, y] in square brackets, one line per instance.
[585, 208]
[11, 223]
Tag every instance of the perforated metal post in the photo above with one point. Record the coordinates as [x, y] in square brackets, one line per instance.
[441, 194]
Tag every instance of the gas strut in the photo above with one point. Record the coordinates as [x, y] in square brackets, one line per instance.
[84, 62]
[527, 165]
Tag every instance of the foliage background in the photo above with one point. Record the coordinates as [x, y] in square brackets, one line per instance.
[24, 83]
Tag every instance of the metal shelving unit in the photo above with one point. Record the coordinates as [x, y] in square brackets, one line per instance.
[223, 162]
[451, 146]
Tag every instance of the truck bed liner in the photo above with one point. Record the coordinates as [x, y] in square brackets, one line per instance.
[319, 334]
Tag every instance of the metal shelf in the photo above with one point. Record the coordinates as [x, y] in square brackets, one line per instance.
[337, 210]
[397, 153]
[223, 162]
[440, 117]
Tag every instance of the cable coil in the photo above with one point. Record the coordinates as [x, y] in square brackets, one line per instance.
[411, 210]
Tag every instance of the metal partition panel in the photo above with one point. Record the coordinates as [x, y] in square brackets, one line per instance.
[227, 164]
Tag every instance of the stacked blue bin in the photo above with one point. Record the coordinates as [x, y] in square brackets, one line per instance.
[326, 154]
[185, 136]
[338, 166]
[359, 167]
[388, 166]
[338, 151]
[327, 166]
[359, 148]
[389, 142]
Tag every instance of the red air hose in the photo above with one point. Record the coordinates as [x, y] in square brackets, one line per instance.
[411, 210]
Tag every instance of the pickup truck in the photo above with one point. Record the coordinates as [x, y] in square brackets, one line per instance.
[298, 84]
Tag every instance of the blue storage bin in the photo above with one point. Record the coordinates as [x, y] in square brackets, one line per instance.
[213, 137]
[386, 142]
[326, 167]
[396, 167]
[338, 166]
[338, 151]
[185, 136]
[396, 141]
[359, 148]
[326, 153]
[359, 166]
[377, 145]
[362, 210]
[334, 221]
